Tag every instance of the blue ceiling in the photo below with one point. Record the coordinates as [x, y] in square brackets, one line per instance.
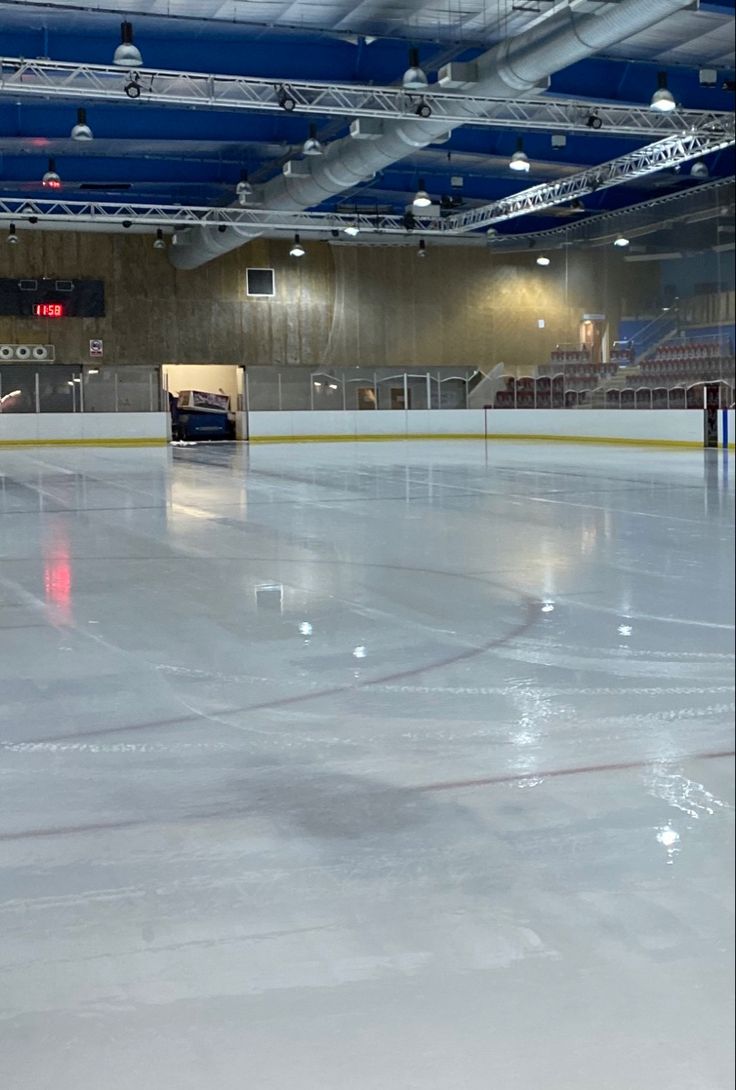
[179, 155]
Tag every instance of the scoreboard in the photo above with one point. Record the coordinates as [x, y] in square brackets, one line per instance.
[46, 297]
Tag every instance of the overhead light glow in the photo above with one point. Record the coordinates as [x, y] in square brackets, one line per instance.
[519, 160]
[297, 250]
[621, 241]
[422, 198]
[311, 145]
[127, 55]
[542, 260]
[81, 130]
[243, 190]
[51, 179]
[414, 79]
[352, 229]
[662, 100]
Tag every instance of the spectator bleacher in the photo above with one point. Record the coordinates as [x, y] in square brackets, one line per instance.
[555, 393]
[670, 377]
[683, 362]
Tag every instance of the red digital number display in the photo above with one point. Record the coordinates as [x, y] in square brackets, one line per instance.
[49, 310]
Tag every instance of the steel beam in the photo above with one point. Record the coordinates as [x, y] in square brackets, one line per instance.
[20, 77]
[663, 154]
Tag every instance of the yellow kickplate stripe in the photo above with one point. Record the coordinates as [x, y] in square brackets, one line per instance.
[83, 442]
[672, 443]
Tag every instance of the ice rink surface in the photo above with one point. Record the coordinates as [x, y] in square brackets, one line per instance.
[366, 767]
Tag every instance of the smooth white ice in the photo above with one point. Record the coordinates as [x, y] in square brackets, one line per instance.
[366, 767]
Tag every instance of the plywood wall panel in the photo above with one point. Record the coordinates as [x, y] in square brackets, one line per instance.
[340, 305]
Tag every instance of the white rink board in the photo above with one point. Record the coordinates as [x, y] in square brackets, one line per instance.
[87, 427]
[635, 425]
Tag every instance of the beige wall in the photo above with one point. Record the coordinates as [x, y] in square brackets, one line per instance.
[340, 305]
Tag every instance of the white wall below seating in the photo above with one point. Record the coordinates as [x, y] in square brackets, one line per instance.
[636, 425]
[83, 427]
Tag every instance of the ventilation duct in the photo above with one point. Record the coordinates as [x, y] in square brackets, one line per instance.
[519, 66]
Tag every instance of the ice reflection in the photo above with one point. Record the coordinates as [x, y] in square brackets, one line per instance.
[57, 579]
[533, 711]
[669, 839]
[689, 797]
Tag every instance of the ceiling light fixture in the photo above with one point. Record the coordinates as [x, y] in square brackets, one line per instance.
[243, 190]
[285, 99]
[542, 260]
[662, 99]
[414, 79]
[297, 250]
[159, 243]
[422, 250]
[51, 179]
[422, 198]
[127, 55]
[699, 170]
[594, 122]
[133, 88]
[423, 109]
[12, 237]
[621, 241]
[312, 146]
[352, 229]
[81, 130]
[519, 160]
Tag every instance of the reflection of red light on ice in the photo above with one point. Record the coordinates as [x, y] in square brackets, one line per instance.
[57, 579]
[57, 583]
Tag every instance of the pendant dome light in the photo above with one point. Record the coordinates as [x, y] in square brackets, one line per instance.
[662, 100]
[422, 198]
[312, 146]
[51, 179]
[297, 250]
[159, 242]
[12, 237]
[81, 130]
[414, 79]
[422, 248]
[127, 55]
[519, 160]
[243, 190]
[541, 260]
[621, 241]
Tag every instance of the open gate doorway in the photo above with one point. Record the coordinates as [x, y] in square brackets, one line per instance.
[207, 401]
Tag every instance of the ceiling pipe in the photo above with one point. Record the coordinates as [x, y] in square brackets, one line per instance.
[517, 67]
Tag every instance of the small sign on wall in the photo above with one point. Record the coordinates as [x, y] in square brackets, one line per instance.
[95, 349]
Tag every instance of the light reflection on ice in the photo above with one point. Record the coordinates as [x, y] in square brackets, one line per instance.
[686, 795]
